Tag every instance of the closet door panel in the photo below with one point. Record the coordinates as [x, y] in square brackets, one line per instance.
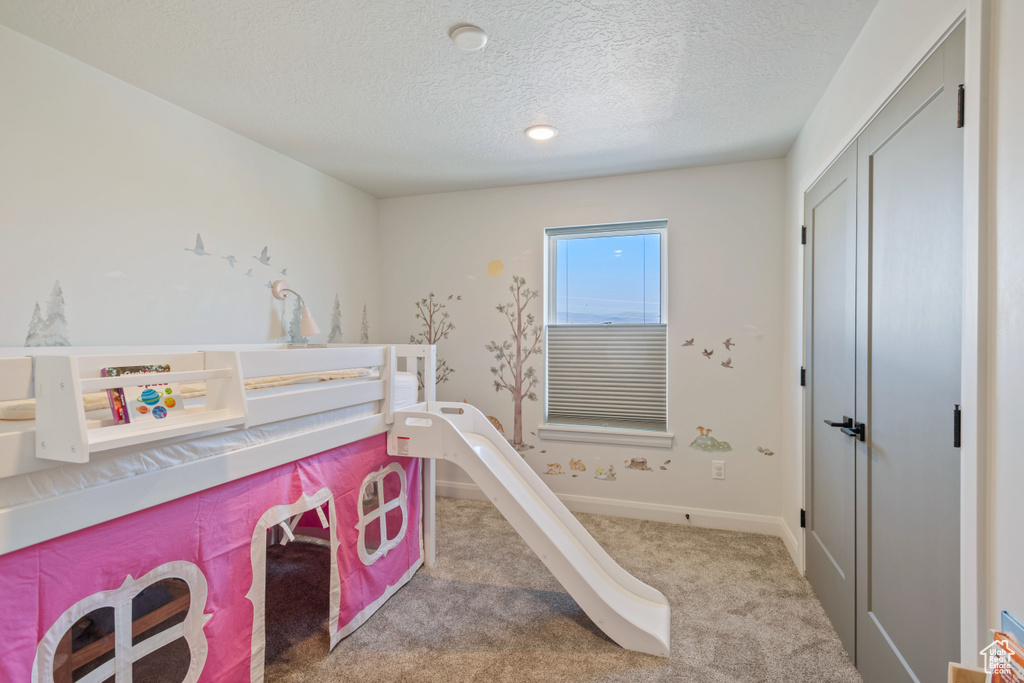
[909, 297]
[830, 281]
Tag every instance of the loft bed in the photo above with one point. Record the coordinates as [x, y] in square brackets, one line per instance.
[111, 527]
[272, 439]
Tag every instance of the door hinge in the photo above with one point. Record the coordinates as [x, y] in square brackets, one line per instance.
[803, 518]
[803, 234]
[803, 377]
[956, 426]
[960, 106]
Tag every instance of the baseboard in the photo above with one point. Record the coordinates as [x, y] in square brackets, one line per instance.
[792, 545]
[712, 519]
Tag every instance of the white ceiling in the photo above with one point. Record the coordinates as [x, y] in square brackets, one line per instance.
[373, 93]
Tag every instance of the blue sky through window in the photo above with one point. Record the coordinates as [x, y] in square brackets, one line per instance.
[608, 279]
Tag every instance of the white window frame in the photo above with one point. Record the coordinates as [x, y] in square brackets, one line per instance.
[554, 235]
[599, 434]
[380, 512]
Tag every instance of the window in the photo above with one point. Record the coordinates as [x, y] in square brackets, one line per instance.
[383, 512]
[606, 326]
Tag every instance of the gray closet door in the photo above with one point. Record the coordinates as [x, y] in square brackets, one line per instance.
[910, 235]
[830, 273]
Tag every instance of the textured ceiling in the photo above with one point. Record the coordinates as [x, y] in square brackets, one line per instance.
[372, 91]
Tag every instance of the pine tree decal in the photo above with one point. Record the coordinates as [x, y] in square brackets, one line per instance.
[35, 328]
[364, 329]
[436, 326]
[335, 336]
[513, 353]
[53, 329]
[294, 327]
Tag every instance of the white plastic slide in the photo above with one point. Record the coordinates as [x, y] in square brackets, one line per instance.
[629, 611]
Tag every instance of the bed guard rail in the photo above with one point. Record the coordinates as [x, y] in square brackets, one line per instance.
[58, 380]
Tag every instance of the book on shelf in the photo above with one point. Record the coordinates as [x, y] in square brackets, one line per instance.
[148, 402]
[1012, 627]
[116, 399]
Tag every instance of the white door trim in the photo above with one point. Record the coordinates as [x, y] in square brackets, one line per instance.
[974, 608]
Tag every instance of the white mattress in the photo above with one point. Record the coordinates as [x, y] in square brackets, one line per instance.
[61, 479]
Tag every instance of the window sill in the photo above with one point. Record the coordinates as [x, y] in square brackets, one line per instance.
[606, 435]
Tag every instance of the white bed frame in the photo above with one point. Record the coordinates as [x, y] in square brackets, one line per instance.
[57, 378]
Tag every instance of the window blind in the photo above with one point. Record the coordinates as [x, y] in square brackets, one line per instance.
[606, 375]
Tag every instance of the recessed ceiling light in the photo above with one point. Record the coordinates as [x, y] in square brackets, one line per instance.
[468, 37]
[542, 132]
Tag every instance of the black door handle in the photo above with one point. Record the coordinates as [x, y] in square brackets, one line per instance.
[857, 430]
[847, 422]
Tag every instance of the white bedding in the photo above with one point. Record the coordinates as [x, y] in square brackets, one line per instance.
[55, 481]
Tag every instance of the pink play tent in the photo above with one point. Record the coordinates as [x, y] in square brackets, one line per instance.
[215, 541]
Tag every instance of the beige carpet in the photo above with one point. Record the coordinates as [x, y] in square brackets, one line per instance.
[490, 611]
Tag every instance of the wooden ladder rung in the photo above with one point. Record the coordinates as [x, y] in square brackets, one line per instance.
[105, 644]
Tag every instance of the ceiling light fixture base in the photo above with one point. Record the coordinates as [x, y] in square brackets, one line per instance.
[468, 37]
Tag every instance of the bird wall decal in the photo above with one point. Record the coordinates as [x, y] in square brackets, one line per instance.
[708, 354]
[249, 273]
[231, 260]
[263, 258]
[728, 344]
[728, 364]
[198, 249]
[689, 342]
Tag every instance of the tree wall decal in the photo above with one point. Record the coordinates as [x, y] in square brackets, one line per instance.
[433, 316]
[35, 326]
[295, 325]
[364, 328]
[335, 337]
[53, 329]
[512, 373]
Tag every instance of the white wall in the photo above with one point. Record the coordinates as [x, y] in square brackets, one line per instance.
[104, 186]
[895, 38]
[724, 237]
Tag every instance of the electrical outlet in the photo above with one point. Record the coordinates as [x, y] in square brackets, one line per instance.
[718, 469]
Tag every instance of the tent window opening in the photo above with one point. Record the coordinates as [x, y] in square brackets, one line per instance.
[145, 629]
[383, 512]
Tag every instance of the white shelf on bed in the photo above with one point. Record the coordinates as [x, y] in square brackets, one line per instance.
[64, 434]
[62, 431]
[117, 436]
